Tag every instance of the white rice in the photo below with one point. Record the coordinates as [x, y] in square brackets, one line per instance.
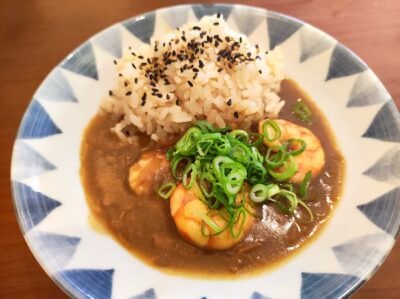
[225, 91]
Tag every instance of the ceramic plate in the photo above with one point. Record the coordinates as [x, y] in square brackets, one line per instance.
[54, 216]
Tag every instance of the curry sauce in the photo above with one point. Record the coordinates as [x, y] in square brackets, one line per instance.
[143, 224]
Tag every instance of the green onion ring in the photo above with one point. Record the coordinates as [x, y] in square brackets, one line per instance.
[274, 126]
[166, 190]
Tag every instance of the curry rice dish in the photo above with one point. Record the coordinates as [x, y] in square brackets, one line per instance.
[205, 159]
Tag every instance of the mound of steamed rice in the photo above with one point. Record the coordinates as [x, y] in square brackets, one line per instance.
[202, 70]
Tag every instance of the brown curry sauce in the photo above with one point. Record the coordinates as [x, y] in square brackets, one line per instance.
[143, 224]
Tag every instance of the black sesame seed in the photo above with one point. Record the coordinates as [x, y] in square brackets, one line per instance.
[258, 57]
[236, 114]
[196, 70]
[260, 71]
[133, 65]
[148, 60]
[159, 95]
[128, 93]
[196, 28]
[120, 75]
[218, 15]
[140, 57]
[240, 39]
[227, 39]
[133, 53]
[126, 83]
[202, 34]
[190, 83]
[220, 69]
[115, 62]
[129, 48]
[256, 46]
[216, 24]
[110, 93]
[144, 96]
[143, 103]
[136, 80]
[183, 38]
[229, 103]
[168, 97]
[177, 102]
[248, 54]
[154, 89]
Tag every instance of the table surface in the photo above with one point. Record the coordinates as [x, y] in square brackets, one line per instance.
[36, 35]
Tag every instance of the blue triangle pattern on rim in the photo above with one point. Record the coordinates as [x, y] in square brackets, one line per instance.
[37, 123]
[387, 168]
[32, 206]
[362, 254]
[312, 42]
[257, 295]
[201, 10]
[327, 285]
[57, 249]
[82, 61]
[110, 41]
[90, 283]
[386, 124]
[367, 90]
[27, 162]
[175, 17]
[280, 28]
[384, 211]
[56, 88]
[246, 19]
[142, 27]
[148, 294]
[343, 63]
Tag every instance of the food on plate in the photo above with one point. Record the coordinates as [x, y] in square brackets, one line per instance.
[206, 159]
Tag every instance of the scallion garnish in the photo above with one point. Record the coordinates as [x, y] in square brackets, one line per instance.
[271, 130]
[220, 165]
[302, 112]
[166, 190]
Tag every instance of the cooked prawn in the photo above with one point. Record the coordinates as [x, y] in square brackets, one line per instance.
[145, 173]
[186, 207]
[313, 157]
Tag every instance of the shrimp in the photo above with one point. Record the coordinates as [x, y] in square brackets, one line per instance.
[186, 207]
[313, 157]
[145, 173]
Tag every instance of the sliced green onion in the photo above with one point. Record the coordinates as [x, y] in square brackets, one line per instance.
[301, 146]
[261, 192]
[256, 173]
[289, 169]
[166, 190]
[174, 166]
[239, 212]
[302, 112]
[305, 184]
[291, 198]
[275, 156]
[186, 146]
[256, 142]
[307, 208]
[170, 154]
[271, 125]
[240, 135]
[190, 171]
[208, 221]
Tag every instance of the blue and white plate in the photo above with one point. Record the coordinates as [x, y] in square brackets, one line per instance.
[51, 205]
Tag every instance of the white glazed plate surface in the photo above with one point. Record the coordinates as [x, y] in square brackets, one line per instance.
[54, 216]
